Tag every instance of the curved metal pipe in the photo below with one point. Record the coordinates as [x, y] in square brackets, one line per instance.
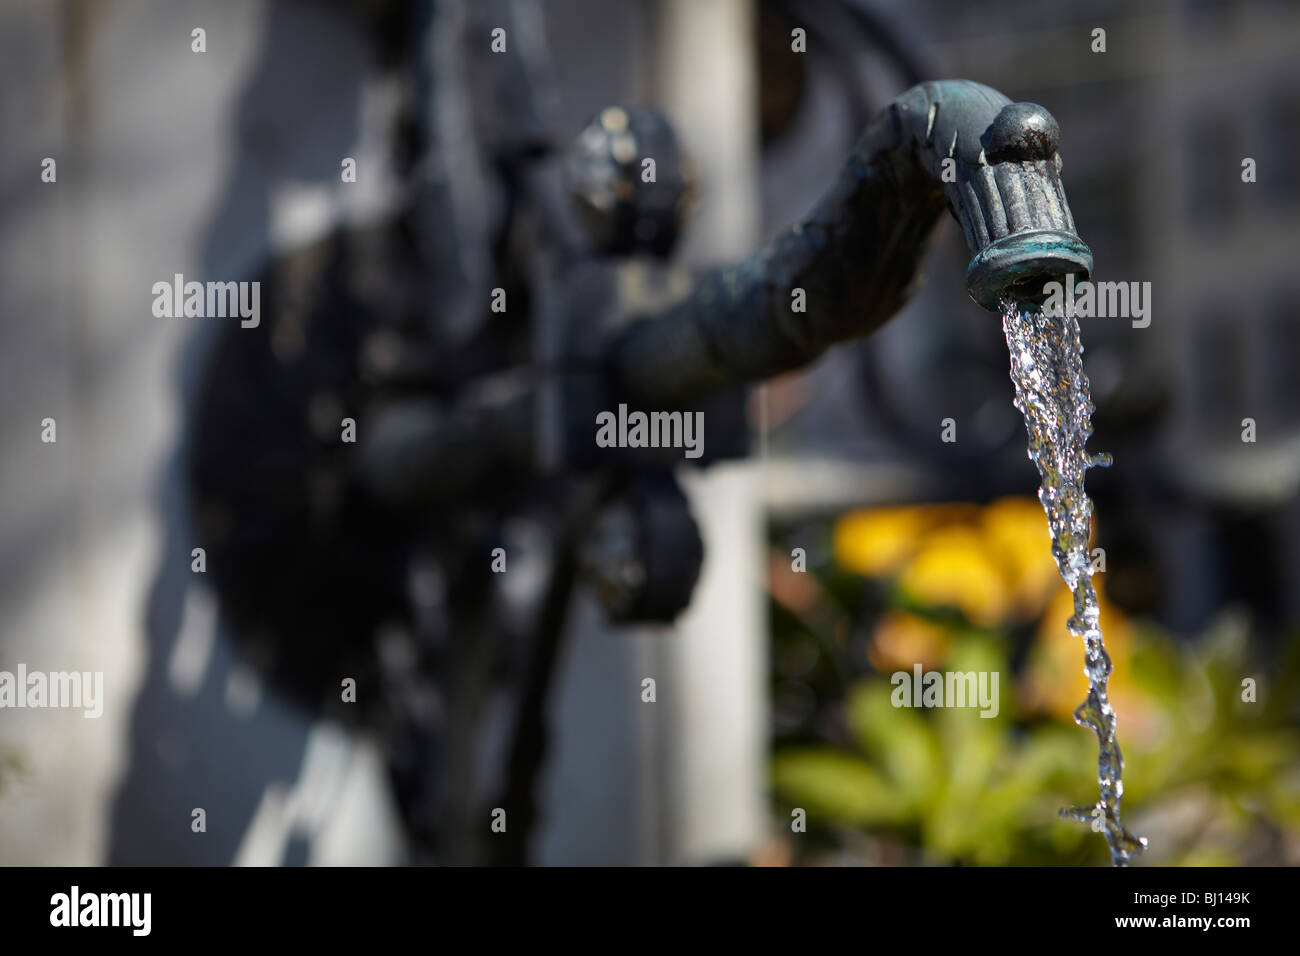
[994, 164]
[954, 143]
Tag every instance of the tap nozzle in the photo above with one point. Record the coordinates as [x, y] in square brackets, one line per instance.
[1001, 173]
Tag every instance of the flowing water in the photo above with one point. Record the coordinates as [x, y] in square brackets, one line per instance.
[1052, 394]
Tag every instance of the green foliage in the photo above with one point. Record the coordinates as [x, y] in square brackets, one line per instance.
[949, 784]
[1210, 779]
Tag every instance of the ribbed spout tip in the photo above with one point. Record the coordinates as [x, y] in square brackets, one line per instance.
[1018, 266]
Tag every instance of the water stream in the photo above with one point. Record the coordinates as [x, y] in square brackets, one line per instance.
[1052, 394]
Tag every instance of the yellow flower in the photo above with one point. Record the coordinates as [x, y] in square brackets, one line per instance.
[876, 542]
[953, 569]
[1016, 532]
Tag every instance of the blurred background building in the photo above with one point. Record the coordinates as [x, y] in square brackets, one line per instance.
[210, 164]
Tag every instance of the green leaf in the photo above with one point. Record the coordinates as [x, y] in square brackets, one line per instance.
[835, 787]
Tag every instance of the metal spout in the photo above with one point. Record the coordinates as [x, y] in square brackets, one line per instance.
[1001, 173]
[951, 143]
